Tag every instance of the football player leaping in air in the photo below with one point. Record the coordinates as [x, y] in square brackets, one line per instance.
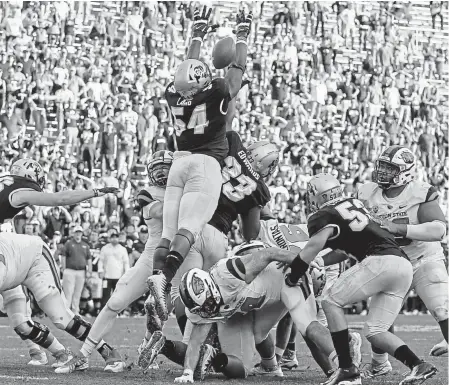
[21, 188]
[199, 106]
[383, 273]
[409, 209]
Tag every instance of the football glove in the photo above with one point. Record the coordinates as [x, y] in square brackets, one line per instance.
[106, 190]
[201, 23]
[243, 26]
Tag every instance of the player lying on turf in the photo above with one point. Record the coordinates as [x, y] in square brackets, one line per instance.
[19, 189]
[199, 106]
[383, 273]
[294, 238]
[243, 193]
[246, 295]
[409, 209]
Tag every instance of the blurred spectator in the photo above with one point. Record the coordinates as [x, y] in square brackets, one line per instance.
[436, 11]
[76, 265]
[113, 263]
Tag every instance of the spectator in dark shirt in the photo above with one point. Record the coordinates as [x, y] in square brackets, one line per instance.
[57, 218]
[108, 146]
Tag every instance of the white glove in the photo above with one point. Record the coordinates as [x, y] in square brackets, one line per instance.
[187, 377]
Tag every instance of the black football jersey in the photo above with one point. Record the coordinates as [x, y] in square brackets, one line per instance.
[200, 122]
[8, 185]
[243, 188]
[356, 231]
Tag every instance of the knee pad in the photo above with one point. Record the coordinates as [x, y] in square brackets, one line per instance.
[373, 328]
[33, 331]
[78, 328]
[188, 235]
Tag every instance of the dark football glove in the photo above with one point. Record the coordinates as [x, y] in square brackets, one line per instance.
[243, 26]
[201, 23]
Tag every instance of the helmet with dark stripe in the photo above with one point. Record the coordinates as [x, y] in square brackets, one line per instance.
[158, 167]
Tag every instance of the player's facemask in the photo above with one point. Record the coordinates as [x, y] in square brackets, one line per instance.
[386, 174]
[159, 167]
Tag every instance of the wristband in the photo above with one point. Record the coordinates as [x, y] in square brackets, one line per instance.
[197, 38]
[241, 68]
[187, 372]
[95, 192]
[298, 269]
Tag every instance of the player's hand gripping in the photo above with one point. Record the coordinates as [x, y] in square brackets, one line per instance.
[243, 26]
[106, 190]
[201, 23]
[187, 377]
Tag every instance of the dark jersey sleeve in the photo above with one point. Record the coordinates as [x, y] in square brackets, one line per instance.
[9, 184]
[321, 219]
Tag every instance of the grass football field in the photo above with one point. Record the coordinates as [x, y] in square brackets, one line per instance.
[420, 332]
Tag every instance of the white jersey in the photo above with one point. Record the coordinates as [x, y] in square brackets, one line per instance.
[154, 225]
[18, 253]
[293, 238]
[404, 209]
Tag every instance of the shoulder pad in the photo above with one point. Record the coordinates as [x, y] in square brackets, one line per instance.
[144, 197]
[366, 190]
[420, 190]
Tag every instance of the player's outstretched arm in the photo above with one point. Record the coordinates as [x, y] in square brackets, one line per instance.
[197, 338]
[301, 263]
[333, 257]
[236, 70]
[63, 198]
[431, 227]
[199, 30]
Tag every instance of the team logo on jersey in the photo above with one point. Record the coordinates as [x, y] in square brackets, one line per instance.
[375, 209]
[172, 89]
[184, 102]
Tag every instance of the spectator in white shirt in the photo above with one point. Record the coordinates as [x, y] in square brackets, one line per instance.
[113, 263]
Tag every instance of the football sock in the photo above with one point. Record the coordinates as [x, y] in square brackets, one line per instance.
[269, 362]
[444, 326]
[291, 346]
[55, 347]
[266, 352]
[406, 356]
[172, 264]
[102, 326]
[379, 358]
[88, 347]
[182, 320]
[333, 357]
[341, 344]
[31, 345]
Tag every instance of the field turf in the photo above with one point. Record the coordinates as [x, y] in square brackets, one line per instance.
[420, 332]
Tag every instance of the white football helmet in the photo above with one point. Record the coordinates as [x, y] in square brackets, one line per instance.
[395, 167]
[191, 77]
[322, 189]
[248, 247]
[264, 157]
[200, 294]
[29, 168]
[158, 167]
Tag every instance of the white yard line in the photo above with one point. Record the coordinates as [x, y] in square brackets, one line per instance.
[26, 378]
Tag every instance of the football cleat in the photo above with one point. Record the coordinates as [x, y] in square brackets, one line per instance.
[151, 350]
[38, 358]
[153, 321]
[374, 369]
[204, 366]
[157, 285]
[154, 365]
[289, 360]
[419, 374]
[75, 364]
[350, 376]
[62, 357]
[439, 349]
[355, 344]
[259, 370]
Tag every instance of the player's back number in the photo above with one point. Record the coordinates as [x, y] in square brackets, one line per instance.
[232, 171]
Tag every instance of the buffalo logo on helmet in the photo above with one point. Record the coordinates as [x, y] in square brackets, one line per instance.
[197, 72]
[407, 157]
[197, 285]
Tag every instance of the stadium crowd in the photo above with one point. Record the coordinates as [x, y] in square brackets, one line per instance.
[82, 92]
